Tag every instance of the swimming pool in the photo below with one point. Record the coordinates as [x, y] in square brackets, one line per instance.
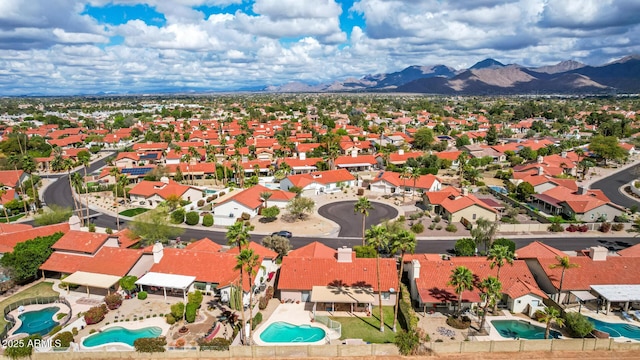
[517, 329]
[617, 329]
[38, 322]
[282, 332]
[121, 335]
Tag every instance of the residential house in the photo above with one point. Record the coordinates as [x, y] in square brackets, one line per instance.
[335, 280]
[319, 182]
[302, 164]
[356, 162]
[12, 179]
[13, 234]
[149, 194]
[248, 201]
[581, 204]
[429, 276]
[388, 182]
[459, 206]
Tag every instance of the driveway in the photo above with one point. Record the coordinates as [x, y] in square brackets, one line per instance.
[351, 222]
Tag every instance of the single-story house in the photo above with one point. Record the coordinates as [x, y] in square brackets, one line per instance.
[460, 206]
[319, 182]
[249, 201]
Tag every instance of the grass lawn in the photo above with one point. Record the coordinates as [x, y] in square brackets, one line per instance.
[3, 219]
[42, 289]
[133, 212]
[368, 328]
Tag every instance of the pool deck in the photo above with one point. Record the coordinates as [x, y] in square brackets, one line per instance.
[132, 325]
[63, 308]
[294, 314]
[494, 334]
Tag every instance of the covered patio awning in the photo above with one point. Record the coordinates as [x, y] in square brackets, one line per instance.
[167, 281]
[618, 293]
[87, 279]
[583, 295]
[345, 294]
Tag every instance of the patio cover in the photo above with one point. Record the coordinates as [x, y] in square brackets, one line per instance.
[618, 293]
[345, 294]
[583, 295]
[170, 281]
[100, 281]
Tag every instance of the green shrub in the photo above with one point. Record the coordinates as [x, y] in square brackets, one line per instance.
[192, 218]
[578, 324]
[201, 203]
[257, 320]
[617, 227]
[190, 312]
[245, 216]
[605, 227]
[407, 342]
[170, 319]
[465, 247]
[150, 345]
[60, 316]
[207, 220]
[74, 331]
[505, 242]
[401, 219]
[451, 228]
[177, 310]
[95, 314]
[63, 339]
[432, 226]
[142, 295]
[55, 329]
[195, 298]
[92, 227]
[555, 227]
[21, 349]
[417, 228]
[177, 217]
[438, 227]
[460, 323]
[108, 230]
[437, 219]
[262, 304]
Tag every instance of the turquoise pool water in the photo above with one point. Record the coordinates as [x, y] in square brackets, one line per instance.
[38, 322]
[119, 334]
[617, 329]
[282, 332]
[516, 329]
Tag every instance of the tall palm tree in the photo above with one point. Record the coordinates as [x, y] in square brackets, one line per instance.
[462, 163]
[378, 237]
[403, 242]
[500, 255]
[415, 176]
[194, 155]
[68, 165]
[484, 232]
[2, 192]
[404, 175]
[239, 171]
[363, 206]
[29, 166]
[84, 157]
[211, 158]
[115, 172]
[123, 181]
[551, 315]
[238, 235]
[248, 261]
[266, 195]
[461, 279]
[564, 263]
[491, 290]
[187, 159]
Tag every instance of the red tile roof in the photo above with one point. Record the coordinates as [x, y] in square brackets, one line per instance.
[315, 250]
[321, 177]
[394, 178]
[8, 240]
[126, 238]
[620, 270]
[10, 178]
[435, 273]
[204, 244]
[538, 249]
[251, 197]
[80, 241]
[632, 251]
[149, 188]
[109, 261]
[258, 249]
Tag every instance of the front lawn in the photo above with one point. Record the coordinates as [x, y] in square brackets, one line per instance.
[133, 212]
[3, 219]
[367, 328]
[43, 289]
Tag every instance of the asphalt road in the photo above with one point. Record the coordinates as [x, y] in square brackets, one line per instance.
[610, 186]
[350, 222]
[59, 193]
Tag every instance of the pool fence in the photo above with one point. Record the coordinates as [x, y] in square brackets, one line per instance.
[11, 321]
[334, 326]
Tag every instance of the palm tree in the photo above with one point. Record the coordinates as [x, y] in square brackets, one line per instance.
[239, 171]
[15, 160]
[266, 195]
[238, 235]
[68, 165]
[2, 192]
[29, 166]
[378, 238]
[194, 155]
[484, 232]
[247, 260]
[187, 159]
[551, 315]
[363, 206]
[462, 163]
[461, 279]
[56, 163]
[500, 255]
[123, 181]
[404, 175]
[211, 157]
[115, 172]
[404, 242]
[564, 263]
[415, 176]
[84, 157]
[491, 289]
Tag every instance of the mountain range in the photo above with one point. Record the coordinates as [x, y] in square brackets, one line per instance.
[490, 77]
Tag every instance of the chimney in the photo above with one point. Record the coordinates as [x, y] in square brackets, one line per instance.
[415, 269]
[540, 159]
[598, 253]
[563, 154]
[400, 151]
[302, 156]
[465, 192]
[164, 180]
[354, 153]
[344, 255]
[74, 222]
[540, 170]
[582, 190]
[158, 252]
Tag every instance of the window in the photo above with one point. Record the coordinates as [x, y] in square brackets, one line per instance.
[474, 216]
[386, 295]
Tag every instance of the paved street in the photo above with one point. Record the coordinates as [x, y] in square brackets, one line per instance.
[343, 214]
[610, 185]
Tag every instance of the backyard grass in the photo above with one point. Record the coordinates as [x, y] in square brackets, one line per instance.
[368, 328]
[43, 289]
[3, 219]
[133, 212]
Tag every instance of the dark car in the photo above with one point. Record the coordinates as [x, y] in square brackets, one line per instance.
[283, 233]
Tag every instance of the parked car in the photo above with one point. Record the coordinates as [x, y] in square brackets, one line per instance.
[283, 233]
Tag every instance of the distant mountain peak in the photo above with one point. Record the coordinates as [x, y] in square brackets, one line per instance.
[487, 64]
[626, 59]
[560, 67]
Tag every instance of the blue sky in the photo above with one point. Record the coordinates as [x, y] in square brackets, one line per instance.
[66, 47]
